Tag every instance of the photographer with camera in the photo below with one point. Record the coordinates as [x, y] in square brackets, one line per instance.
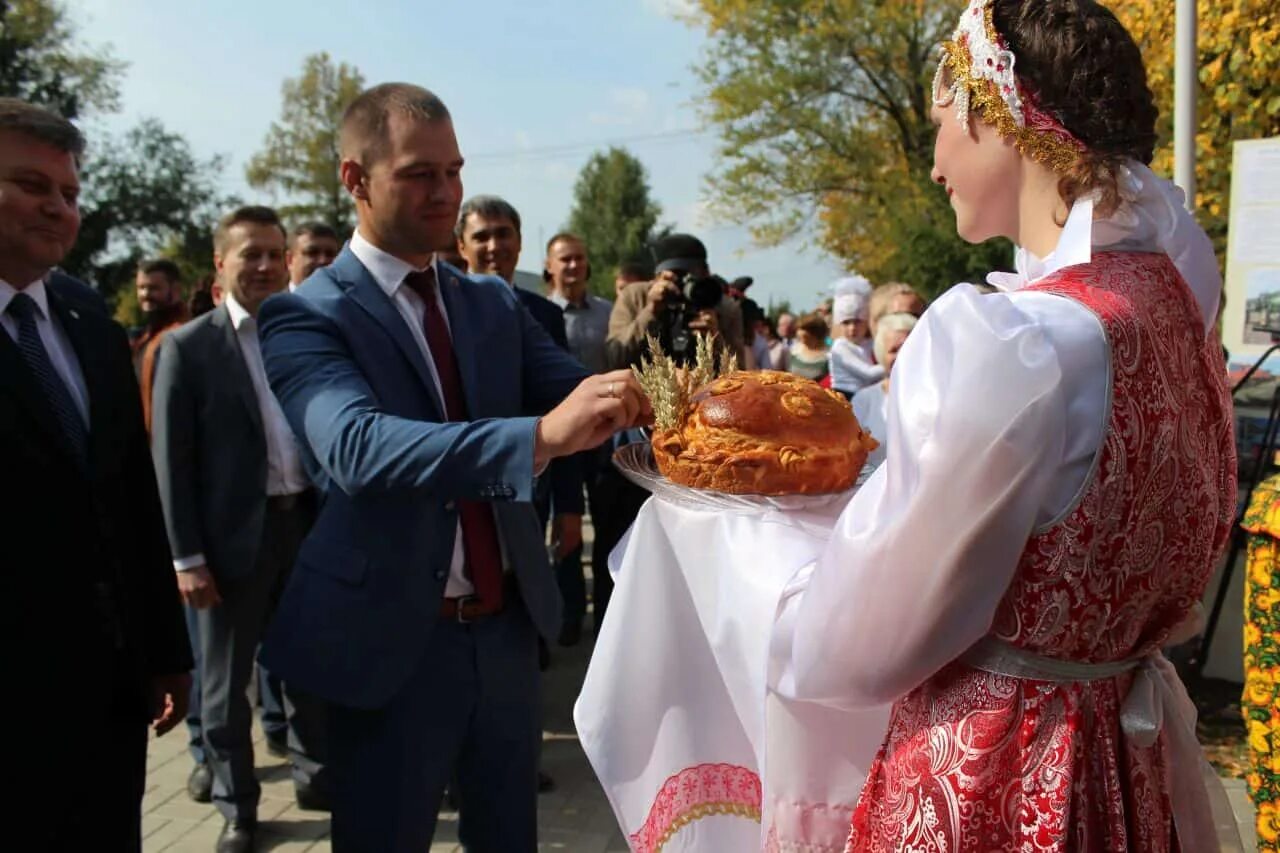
[684, 298]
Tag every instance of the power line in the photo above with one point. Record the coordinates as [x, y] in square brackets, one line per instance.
[542, 152]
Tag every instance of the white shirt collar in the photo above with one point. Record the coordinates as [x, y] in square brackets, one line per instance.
[36, 290]
[387, 270]
[239, 316]
[1075, 246]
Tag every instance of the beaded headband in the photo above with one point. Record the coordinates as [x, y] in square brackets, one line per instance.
[982, 76]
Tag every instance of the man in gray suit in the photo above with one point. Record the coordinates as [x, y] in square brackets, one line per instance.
[237, 505]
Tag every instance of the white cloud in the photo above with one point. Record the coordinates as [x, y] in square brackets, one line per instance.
[670, 8]
[628, 106]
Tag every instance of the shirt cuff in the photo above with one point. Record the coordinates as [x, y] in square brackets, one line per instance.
[186, 564]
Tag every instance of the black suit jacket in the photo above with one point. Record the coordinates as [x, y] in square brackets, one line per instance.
[86, 565]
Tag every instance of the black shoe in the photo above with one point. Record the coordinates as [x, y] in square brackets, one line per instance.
[312, 798]
[545, 783]
[238, 836]
[278, 745]
[200, 784]
[570, 634]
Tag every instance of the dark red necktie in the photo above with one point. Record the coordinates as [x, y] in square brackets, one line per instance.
[479, 531]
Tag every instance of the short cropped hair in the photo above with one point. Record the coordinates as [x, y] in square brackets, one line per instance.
[18, 116]
[363, 136]
[164, 266]
[562, 237]
[487, 206]
[256, 214]
[313, 229]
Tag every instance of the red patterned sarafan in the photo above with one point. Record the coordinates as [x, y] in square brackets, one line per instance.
[975, 761]
[695, 793]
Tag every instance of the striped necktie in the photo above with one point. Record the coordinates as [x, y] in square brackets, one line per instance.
[23, 308]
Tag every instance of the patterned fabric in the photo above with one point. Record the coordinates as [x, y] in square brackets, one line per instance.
[1260, 702]
[694, 793]
[980, 762]
[23, 308]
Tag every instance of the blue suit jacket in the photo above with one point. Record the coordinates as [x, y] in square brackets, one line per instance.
[364, 595]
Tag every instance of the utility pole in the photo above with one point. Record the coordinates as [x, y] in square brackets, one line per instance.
[1186, 85]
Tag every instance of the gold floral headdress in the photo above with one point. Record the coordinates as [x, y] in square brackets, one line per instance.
[982, 76]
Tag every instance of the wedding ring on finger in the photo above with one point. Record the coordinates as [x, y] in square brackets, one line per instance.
[613, 389]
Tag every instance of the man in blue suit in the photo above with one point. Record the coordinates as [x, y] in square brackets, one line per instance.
[418, 397]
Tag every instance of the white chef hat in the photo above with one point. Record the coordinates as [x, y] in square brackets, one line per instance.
[851, 284]
[851, 306]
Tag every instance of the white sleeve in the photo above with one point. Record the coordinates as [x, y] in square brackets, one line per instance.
[923, 553]
[850, 369]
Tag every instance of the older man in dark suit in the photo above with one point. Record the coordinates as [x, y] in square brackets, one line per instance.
[93, 631]
[238, 504]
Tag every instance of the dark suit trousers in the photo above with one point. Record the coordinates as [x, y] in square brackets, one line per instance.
[470, 708]
[615, 503]
[228, 636]
[100, 741]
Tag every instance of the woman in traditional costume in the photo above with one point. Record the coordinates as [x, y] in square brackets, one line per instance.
[1059, 483]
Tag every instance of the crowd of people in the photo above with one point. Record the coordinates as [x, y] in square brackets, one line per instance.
[356, 468]
[239, 480]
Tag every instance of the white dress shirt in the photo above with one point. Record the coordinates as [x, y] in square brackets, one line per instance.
[53, 336]
[285, 475]
[389, 272]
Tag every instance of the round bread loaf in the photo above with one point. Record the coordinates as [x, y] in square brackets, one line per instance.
[764, 433]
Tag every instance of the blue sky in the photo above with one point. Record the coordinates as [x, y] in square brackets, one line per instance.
[534, 88]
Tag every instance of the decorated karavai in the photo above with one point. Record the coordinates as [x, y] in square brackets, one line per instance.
[750, 432]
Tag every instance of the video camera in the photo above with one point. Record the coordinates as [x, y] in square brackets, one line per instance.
[693, 294]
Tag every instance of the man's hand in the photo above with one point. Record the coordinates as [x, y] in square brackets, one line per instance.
[169, 695]
[659, 289]
[197, 588]
[596, 409]
[566, 534]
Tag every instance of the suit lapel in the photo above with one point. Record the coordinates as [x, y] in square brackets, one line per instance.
[359, 284]
[464, 326]
[237, 371]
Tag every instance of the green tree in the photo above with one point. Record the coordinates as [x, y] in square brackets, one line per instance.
[40, 62]
[1238, 44]
[143, 193]
[613, 214]
[822, 108]
[300, 156]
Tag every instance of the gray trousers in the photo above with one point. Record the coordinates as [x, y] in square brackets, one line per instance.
[228, 638]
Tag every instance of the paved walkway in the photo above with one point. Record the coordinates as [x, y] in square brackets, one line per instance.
[574, 818]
